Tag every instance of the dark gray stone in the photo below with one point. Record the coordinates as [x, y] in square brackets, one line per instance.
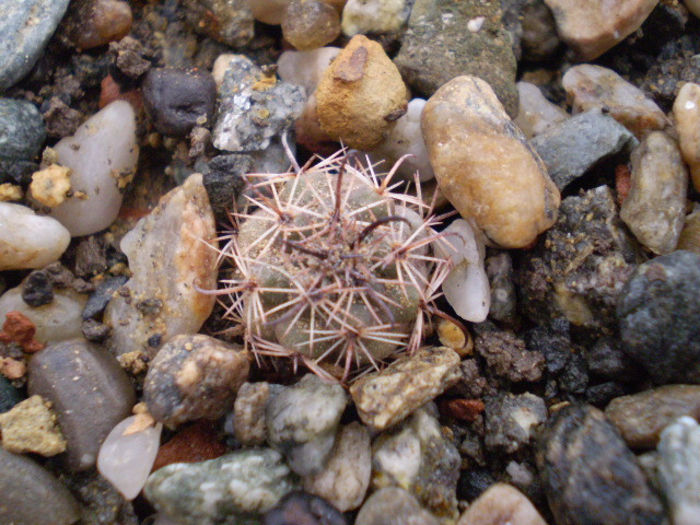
[37, 289]
[101, 503]
[175, 99]
[302, 508]
[499, 269]
[9, 395]
[89, 391]
[99, 299]
[506, 354]
[437, 46]
[539, 39]
[571, 147]
[659, 316]
[30, 495]
[512, 420]
[590, 476]
[25, 29]
[222, 178]
[22, 130]
[607, 360]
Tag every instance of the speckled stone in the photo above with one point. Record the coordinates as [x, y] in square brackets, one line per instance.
[249, 425]
[31, 427]
[22, 129]
[512, 421]
[227, 21]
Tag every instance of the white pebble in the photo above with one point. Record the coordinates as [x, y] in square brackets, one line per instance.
[28, 240]
[374, 16]
[305, 68]
[535, 112]
[126, 460]
[102, 156]
[475, 24]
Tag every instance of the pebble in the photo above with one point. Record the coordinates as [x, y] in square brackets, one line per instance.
[89, 391]
[417, 456]
[689, 238]
[31, 427]
[308, 131]
[253, 107]
[506, 354]
[393, 506]
[194, 443]
[99, 299]
[127, 455]
[386, 397]
[101, 503]
[50, 186]
[224, 490]
[641, 417]
[94, 23]
[499, 269]
[170, 253]
[178, 100]
[25, 35]
[512, 421]
[249, 413]
[589, 86]
[499, 505]
[535, 113]
[269, 11]
[679, 470]
[375, 16]
[223, 179]
[22, 130]
[310, 24]
[654, 209]
[589, 475]
[30, 494]
[28, 240]
[193, 377]
[539, 40]
[9, 395]
[102, 156]
[659, 312]
[360, 95]
[591, 30]
[303, 509]
[305, 68]
[466, 286]
[57, 321]
[427, 61]
[227, 21]
[572, 147]
[302, 420]
[484, 165]
[607, 360]
[344, 480]
[693, 6]
[686, 112]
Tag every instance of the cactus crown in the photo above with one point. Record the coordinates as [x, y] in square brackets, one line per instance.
[331, 267]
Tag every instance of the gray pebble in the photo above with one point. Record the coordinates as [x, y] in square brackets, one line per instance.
[9, 395]
[512, 420]
[22, 130]
[99, 299]
[499, 269]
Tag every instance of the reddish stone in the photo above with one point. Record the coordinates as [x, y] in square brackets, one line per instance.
[622, 182]
[18, 328]
[197, 442]
[464, 409]
[110, 91]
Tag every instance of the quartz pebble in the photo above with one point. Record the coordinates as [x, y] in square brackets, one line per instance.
[686, 111]
[535, 113]
[310, 24]
[591, 29]
[227, 21]
[654, 208]
[31, 427]
[169, 255]
[28, 240]
[305, 68]
[227, 489]
[386, 397]
[589, 86]
[127, 455]
[29, 494]
[193, 377]
[94, 23]
[269, 11]
[512, 421]
[102, 156]
[22, 130]
[360, 95]
[501, 504]
[89, 391]
[393, 506]
[345, 478]
[405, 138]
[375, 16]
[484, 166]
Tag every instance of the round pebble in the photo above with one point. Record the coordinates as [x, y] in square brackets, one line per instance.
[309, 24]
[22, 130]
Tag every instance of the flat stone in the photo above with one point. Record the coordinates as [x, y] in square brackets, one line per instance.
[654, 208]
[170, 256]
[686, 112]
[501, 504]
[386, 397]
[31, 427]
[89, 391]
[591, 28]
[512, 421]
[589, 86]
[641, 417]
[484, 165]
[30, 494]
[393, 506]
[193, 377]
[24, 35]
[438, 46]
[230, 489]
[22, 129]
[535, 113]
[572, 147]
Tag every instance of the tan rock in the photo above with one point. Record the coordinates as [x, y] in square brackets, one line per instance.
[361, 94]
[499, 505]
[589, 86]
[535, 113]
[30, 426]
[484, 165]
[50, 185]
[249, 413]
[690, 235]
[686, 111]
[10, 192]
[594, 26]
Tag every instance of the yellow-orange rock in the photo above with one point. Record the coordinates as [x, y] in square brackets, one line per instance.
[484, 165]
[686, 111]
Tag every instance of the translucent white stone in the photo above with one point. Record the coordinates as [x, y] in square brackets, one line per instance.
[102, 156]
[536, 113]
[125, 460]
[304, 68]
[28, 240]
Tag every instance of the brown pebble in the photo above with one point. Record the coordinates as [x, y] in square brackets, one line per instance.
[197, 442]
[12, 368]
[622, 182]
[464, 409]
[20, 329]
[111, 91]
[94, 23]
[310, 24]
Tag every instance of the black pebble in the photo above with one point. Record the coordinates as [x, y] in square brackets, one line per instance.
[37, 289]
